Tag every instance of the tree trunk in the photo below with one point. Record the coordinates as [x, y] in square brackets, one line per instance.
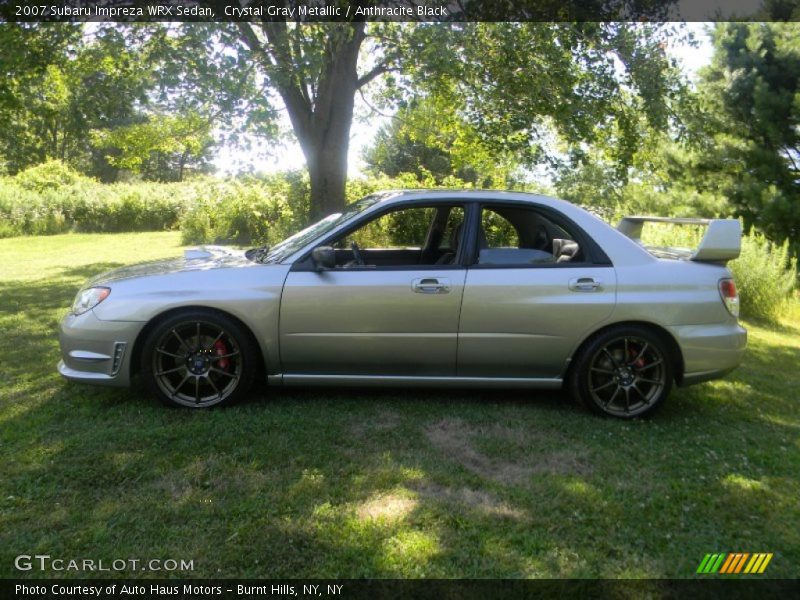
[327, 143]
[327, 170]
[321, 110]
[324, 134]
[182, 164]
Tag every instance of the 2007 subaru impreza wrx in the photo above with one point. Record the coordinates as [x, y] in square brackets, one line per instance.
[423, 288]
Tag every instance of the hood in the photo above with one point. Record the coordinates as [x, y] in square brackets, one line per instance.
[195, 259]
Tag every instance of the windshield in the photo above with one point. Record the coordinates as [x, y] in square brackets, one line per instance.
[292, 244]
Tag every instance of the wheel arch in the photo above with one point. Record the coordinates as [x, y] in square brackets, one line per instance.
[138, 344]
[669, 340]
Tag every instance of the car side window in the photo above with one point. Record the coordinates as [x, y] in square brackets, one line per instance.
[418, 235]
[395, 230]
[497, 230]
[521, 236]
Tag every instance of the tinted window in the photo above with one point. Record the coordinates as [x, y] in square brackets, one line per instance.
[416, 235]
[498, 231]
[522, 236]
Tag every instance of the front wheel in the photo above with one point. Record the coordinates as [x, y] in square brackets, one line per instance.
[198, 359]
[623, 372]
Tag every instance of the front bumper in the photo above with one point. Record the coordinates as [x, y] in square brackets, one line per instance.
[95, 351]
[709, 351]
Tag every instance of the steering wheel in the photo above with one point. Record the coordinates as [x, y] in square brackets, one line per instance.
[357, 254]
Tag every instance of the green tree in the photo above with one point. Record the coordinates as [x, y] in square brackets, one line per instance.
[26, 51]
[200, 93]
[314, 69]
[512, 82]
[509, 84]
[746, 140]
[162, 148]
[87, 82]
[427, 136]
[150, 98]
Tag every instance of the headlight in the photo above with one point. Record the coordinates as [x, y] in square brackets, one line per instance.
[89, 298]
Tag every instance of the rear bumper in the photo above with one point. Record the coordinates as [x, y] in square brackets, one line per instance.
[95, 351]
[709, 351]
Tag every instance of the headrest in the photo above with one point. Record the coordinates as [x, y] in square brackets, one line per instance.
[565, 250]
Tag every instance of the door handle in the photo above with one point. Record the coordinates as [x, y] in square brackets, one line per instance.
[584, 284]
[431, 285]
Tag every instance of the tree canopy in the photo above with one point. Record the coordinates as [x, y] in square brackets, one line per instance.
[138, 97]
[510, 82]
[747, 144]
[601, 105]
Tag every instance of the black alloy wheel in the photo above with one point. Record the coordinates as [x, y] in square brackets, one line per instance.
[198, 359]
[624, 372]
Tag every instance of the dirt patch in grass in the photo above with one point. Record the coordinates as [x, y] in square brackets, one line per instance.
[476, 499]
[455, 439]
[388, 507]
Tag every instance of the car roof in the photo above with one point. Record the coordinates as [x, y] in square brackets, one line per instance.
[392, 196]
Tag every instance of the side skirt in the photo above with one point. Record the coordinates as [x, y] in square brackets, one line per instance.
[413, 381]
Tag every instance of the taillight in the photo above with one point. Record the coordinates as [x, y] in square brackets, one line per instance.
[730, 297]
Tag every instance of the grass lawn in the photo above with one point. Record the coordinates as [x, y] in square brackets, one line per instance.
[380, 483]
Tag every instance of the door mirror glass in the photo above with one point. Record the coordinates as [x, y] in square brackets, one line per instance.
[324, 257]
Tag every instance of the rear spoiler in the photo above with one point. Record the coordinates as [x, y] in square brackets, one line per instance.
[722, 241]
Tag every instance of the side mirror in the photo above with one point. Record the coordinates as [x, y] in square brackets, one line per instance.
[324, 257]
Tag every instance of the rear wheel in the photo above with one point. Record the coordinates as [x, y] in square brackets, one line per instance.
[623, 372]
[198, 359]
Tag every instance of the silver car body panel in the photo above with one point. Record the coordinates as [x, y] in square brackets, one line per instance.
[502, 326]
[88, 348]
[523, 322]
[248, 291]
[370, 322]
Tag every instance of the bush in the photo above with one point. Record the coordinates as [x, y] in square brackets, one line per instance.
[765, 276]
[51, 198]
[253, 212]
[89, 207]
[50, 175]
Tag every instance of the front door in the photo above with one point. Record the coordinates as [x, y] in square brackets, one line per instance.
[390, 307]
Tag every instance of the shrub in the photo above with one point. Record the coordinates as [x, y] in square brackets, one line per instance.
[765, 276]
[89, 207]
[256, 212]
[266, 209]
[50, 175]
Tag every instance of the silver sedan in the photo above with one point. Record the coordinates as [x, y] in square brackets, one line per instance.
[422, 288]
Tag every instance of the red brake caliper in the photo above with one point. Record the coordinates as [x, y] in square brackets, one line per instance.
[221, 349]
[640, 361]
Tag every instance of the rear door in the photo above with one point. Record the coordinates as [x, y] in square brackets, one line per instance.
[525, 307]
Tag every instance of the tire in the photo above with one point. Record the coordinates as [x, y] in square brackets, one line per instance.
[198, 359]
[624, 372]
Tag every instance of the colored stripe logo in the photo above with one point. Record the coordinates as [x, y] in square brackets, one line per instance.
[735, 562]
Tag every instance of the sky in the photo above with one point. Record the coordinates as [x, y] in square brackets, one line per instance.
[268, 157]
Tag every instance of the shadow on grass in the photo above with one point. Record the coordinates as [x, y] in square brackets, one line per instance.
[87, 271]
[322, 482]
[783, 327]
